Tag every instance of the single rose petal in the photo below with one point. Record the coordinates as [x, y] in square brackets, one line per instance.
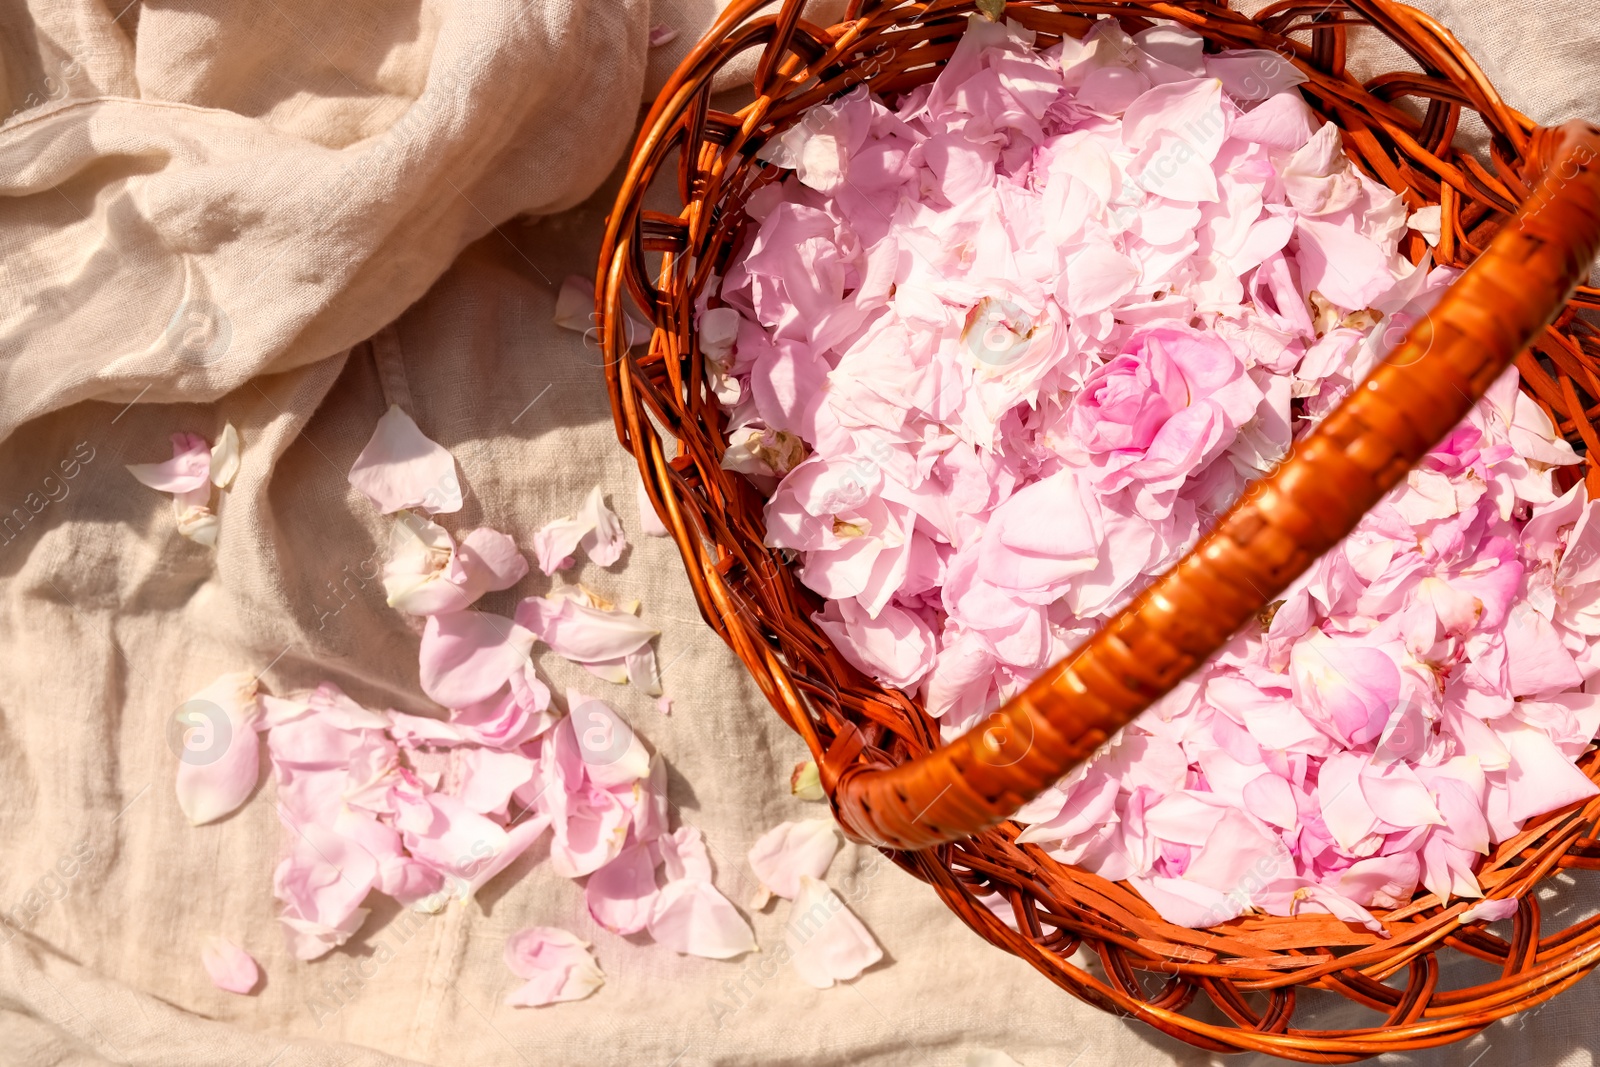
[642, 672]
[661, 34]
[826, 942]
[1490, 911]
[1097, 276]
[694, 919]
[401, 468]
[622, 894]
[896, 647]
[486, 561]
[187, 471]
[488, 778]
[1253, 73]
[684, 854]
[1540, 778]
[225, 458]
[1428, 221]
[604, 541]
[467, 655]
[582, 633]
[554, 964]
[1341, 263]
[414, 575]
[649, 521]
[788, 852]
[556, 541]
[220, 761]
[198, 524]
[611, 752]
[594, 528]
[575, 311]
[231, 968]
[519, 837]
[575, 304]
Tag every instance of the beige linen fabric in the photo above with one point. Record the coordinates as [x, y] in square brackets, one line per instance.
[208, 210]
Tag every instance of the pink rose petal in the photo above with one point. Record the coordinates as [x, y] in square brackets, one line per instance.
[467, 655]
[621, 895]
[231, 968]
[582, 633]
[188, 470]
[788, 852]
[554, 965]
[220, 762]
[826, 942]
[400, 468]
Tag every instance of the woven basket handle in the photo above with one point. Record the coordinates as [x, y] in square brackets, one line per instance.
[1279, 527]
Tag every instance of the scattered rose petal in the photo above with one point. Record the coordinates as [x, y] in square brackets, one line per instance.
[427, 573]
[400, 468]
[690, 916]
[225, 458]
[581, 633]
[554, 965]
[622, 894]
[826, 942]
[594, 528]
[188, 470]
[649, 521]
[467, 655]
[575, 311]
[231, 968]
[1490, 911]
[219, 752]
[788, 852]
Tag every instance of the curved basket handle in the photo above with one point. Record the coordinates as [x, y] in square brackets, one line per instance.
[1275, 531]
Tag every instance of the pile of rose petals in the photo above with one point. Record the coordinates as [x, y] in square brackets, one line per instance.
[424, 809]
[998, 350]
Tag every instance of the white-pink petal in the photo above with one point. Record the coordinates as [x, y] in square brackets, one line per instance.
[582, 633]
[402, 468]
[649, 521]
[1490, 911]
[489, 777]
[788, 852]
[595, 529]
[694, 919]
[219, 758]
[466, 656]
[555, 966]
[187, 471]
[826, 942]
[1096, 277]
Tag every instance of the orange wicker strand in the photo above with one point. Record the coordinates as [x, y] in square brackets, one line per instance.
[1526, 224]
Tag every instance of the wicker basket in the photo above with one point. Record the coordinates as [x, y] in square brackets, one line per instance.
[1528, 222]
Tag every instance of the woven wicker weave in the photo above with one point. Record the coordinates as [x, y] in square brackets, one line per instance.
[1528, 223]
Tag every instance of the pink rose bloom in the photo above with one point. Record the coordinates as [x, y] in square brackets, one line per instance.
[1158, 412]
